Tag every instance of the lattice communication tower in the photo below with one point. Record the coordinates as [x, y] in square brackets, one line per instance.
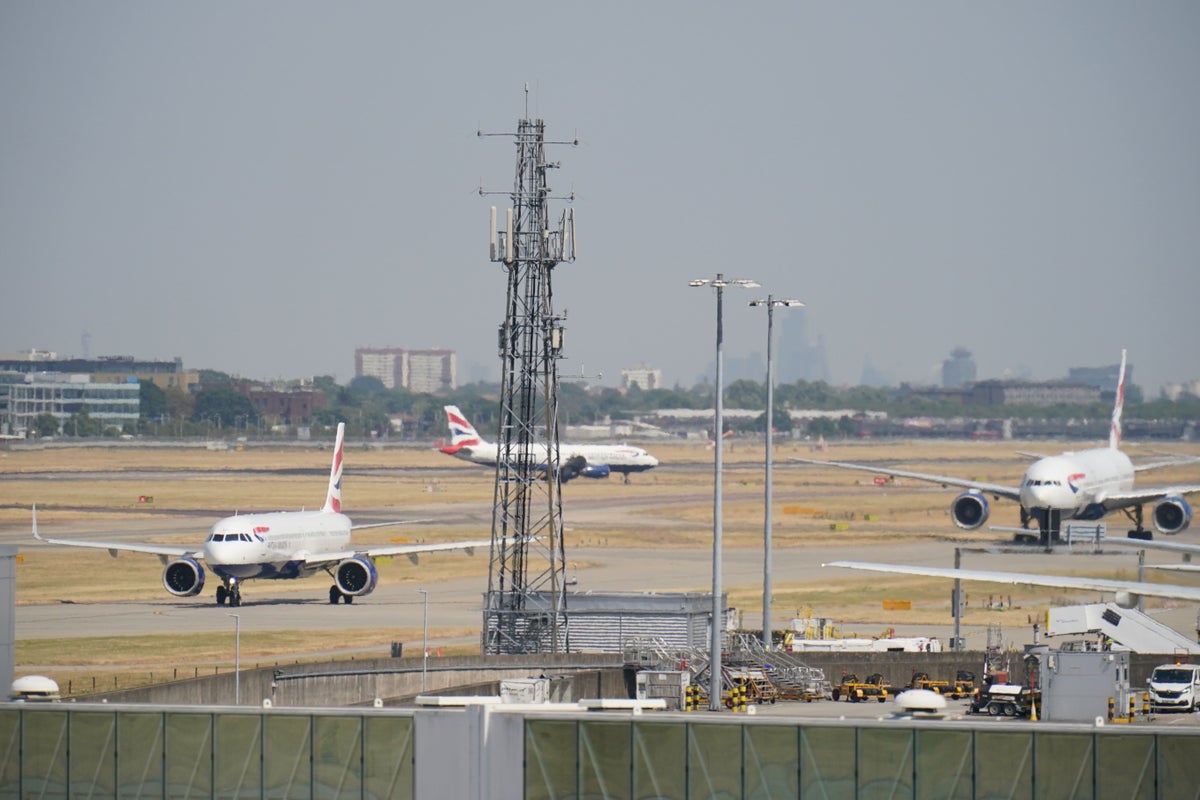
[525, 605]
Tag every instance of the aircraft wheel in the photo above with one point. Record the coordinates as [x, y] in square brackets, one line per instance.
[334, 594]
[347, 599]
[1142, 534]
[235, 599]
[222, 595]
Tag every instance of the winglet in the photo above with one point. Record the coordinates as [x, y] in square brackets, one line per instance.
[1114, 433]
[333, 498]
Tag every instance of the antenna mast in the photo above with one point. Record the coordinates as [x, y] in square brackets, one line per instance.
[525, 604]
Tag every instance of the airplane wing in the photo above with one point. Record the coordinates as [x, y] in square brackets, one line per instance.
[1191, 593]
[999, 490]
[410, 550]
[1170, 462]
[366, 525]
[1115, 500]
[161, 550]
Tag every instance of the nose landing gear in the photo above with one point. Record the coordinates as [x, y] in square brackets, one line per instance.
[230, 591]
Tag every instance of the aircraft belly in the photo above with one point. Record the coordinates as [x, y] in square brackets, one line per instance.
[243, 572]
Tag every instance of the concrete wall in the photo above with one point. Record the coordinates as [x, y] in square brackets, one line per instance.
[394, 680]
[397, 680]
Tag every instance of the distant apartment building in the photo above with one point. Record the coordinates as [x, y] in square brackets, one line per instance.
[959, 369]
[643, 377]
[292, 406]
[1030, 393]
[426, 371]
[1101, 377]
[64, 395]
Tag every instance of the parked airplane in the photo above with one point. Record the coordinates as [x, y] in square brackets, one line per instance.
[1126, 593]
[588, 460]
[281, 544]
[1083, 485]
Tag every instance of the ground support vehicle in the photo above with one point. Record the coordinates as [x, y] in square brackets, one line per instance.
[962, 686]
[855, 691]
[1175, 687]
[1004, 699]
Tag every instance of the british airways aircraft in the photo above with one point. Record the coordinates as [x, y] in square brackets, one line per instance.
[277, 545]
[588, 460]
[1083, 485]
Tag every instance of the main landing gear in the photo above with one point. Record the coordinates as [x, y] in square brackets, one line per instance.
[230, 591]
[335, 594]
[1139, 532]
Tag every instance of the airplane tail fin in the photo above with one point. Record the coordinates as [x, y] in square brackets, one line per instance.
[1114, 433]
[333, 498]
[462, 432]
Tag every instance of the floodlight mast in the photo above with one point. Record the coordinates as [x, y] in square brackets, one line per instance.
[718, 611]
[771, 304]
[525, 605]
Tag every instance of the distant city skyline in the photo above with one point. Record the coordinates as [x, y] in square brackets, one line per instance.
[261, 188]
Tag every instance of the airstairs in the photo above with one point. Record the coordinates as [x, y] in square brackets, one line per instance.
[1127, 627]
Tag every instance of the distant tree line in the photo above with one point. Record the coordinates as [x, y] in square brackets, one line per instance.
[221, 408]
[366, 406]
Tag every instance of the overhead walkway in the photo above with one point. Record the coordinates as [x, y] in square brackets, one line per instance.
[1127, 627]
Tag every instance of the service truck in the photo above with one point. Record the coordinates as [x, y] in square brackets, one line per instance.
[1175, 687]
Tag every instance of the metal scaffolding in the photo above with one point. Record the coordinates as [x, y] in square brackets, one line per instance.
[525, 605]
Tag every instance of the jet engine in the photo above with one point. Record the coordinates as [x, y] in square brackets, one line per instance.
[597, 471]
[184, 577]
[1172, 514]
[969, 510]
[356, 576]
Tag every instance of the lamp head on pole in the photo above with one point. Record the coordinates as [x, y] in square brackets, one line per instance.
[771, 301]
[720, 282]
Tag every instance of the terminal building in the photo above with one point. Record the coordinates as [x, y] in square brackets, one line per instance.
[63, 396]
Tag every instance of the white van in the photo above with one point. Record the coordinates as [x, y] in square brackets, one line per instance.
[1175, 686]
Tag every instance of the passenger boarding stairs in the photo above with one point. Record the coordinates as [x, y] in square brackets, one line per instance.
[1125, 626]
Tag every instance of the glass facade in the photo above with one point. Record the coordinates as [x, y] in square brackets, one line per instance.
[726, 758]
[60, 751]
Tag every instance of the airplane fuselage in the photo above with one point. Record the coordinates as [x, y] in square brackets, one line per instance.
[1076, 484]
[618, 458]
[274, 545]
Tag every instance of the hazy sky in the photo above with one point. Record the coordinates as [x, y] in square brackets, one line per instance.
[262, 187]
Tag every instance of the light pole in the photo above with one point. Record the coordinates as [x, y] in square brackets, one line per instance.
[424, 638]
[237, 658]
[714, 645]
[770, 304]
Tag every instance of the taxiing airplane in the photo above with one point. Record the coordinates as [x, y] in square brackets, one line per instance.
[1125, 593]
[276, 545]
[587, 460]
[1083, 485]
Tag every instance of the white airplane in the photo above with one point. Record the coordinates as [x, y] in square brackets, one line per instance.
[1125, 593]
[1083, 485]
[588, 460]
[277, 545]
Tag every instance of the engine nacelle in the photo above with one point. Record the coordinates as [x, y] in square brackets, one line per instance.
[597, 471]
[970, 510]
[1172, 514]
[356, 576]
[184, 577]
